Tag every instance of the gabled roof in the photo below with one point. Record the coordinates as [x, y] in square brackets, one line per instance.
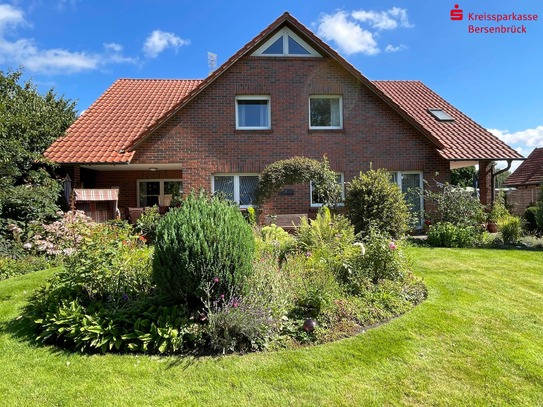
[130, 110]
[127, 110]
[530, 172]
[457, 139]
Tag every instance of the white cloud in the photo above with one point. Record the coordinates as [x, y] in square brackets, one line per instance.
[523, 141]
[159, 40]
[529, 137]
[349, 36]
[25, 52]
[383, 20]
[10, 16]
[112, 46]
[358, 31]
[392, 48]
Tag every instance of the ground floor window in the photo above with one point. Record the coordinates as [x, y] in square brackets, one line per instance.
[158, 192]
[410, 183]
[240, 188]
[316, 200]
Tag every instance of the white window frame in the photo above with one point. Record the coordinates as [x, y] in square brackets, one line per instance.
[253, 97]
[317, 204]
[236, 184]
[161, 181]
[397, 178]
[285, 33]
[340, 98]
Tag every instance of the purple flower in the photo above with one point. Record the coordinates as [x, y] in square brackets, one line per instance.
[308, 254]
[392, 246]
[222, 296]
[216, 280]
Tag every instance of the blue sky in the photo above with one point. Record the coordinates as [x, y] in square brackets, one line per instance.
[80, 47]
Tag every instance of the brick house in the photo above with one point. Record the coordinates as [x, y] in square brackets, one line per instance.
[526, 182]
[285, 93]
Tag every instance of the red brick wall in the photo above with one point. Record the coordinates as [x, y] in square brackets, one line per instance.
[202, 136]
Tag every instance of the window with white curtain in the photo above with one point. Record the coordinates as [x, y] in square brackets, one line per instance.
[325, 112]
[239, 188]
[253, 112]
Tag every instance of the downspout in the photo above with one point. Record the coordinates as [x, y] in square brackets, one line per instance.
[493, 180]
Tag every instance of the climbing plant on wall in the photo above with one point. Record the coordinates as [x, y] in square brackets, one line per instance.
[299, 170]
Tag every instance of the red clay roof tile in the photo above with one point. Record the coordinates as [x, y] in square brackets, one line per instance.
[460, 139]
[122, 114]
[131, 109]
[530, 172]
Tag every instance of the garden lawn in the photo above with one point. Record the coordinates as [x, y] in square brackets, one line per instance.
[476, 340]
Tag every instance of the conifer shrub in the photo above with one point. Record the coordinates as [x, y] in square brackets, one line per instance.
[206, 239]
[373, 200]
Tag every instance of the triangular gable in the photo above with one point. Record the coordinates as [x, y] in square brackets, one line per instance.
[286, 43]
[298, 30]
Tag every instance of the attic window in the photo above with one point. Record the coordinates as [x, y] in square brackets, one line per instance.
[285, 43]
[441, 115]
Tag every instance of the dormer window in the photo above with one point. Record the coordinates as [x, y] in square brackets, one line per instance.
[286, 43]
[441, 115]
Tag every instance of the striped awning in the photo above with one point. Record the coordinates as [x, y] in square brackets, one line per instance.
[96, 194]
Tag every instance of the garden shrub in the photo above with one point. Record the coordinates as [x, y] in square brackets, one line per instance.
[372, 199]
[35, 201]
[453, 205]
[251, 322]
[111, 265]
[447, 234]
[62, 237]
[530, 219]
[326, 230]
[205, 238]
[250, 216]
[539, 211]
[510, 228]
[147, 223]
[237, 326]
[102, 300]
[499, 210]
[314, 286]
[275, 241]
[326, 240]
[382, 259]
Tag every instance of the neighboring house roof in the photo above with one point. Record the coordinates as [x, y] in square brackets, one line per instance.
[457, 139]
[530, 172]
[130, 110]
[124, 112]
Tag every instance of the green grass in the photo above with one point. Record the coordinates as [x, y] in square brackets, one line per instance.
[477, 340]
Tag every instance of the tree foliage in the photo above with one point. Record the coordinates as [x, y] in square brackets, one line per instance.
[29, 123]
[463, 177]
[373, 200]
[297, 170]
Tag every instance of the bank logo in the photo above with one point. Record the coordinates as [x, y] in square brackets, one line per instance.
[457, 14]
